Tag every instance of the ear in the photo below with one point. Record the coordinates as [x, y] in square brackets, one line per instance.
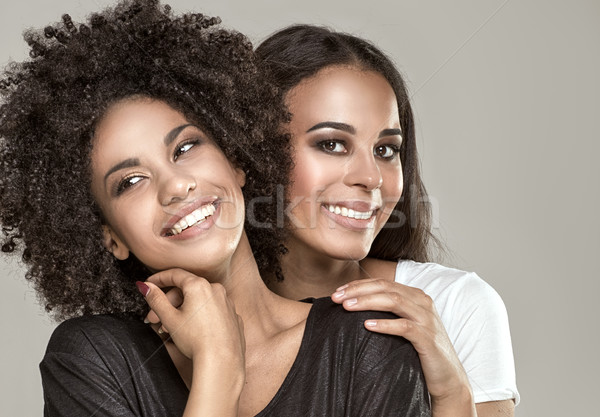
[114, 244]
[240, 176]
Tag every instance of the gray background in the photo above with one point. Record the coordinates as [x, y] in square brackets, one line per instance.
[505, 94]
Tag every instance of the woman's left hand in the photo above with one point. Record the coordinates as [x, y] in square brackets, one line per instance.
[419, 323]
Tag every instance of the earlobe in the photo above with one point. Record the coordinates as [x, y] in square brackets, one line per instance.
[240, 176]
[113, 244]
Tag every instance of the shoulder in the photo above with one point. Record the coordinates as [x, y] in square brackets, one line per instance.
[330, 321]
[325, 308]
[93, 337]
[447, 285]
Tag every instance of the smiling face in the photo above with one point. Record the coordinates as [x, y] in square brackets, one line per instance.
[166, 191]
[348, 175]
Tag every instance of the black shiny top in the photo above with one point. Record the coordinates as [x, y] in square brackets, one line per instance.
[111, 366]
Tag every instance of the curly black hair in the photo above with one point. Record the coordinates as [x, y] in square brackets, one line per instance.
[51, 104]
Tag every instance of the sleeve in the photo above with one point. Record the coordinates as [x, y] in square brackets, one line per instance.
[480, 333]
[389, 380]
[74, 386]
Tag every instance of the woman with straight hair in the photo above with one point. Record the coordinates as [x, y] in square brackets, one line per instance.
[355, 164]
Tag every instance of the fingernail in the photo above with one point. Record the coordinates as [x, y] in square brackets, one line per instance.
[371, 323]
[143, 288]
[146, 321]
[350, 302]
[338, 294]
[343, 287]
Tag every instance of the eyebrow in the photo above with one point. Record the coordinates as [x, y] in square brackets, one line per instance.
[128, 163]
[172, 135]
[390, 132]
[132, 162]
[333, 125]
[347, 128]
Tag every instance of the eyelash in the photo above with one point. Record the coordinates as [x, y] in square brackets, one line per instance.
[125, 183]
[395, 151]
[183, 144]
[324, 143]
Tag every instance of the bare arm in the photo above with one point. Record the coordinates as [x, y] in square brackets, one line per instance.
[505, 408]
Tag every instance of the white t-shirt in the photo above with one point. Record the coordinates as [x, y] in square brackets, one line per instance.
[476, 322]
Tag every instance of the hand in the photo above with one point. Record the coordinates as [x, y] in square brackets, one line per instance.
[205, 321]
[175, 297]
[419, 323]
[206, 329]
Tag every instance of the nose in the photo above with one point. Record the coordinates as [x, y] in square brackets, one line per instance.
[176, 187]
[363, 171]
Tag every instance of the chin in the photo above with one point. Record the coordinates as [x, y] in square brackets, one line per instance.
[347, 252]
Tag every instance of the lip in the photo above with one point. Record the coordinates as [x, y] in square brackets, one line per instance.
[358, 225]
[187, 209]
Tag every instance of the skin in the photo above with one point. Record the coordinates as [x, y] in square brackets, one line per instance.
[344, 121]
[345, 133]
[364, 101]
[176, 167]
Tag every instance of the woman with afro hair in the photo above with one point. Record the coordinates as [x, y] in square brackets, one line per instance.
[125, 144]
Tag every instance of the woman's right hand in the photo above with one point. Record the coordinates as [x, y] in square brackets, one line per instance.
[418, 322]
[204, 321]
[205, 328]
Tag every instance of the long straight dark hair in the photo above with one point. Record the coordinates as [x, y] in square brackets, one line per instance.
[299, 52]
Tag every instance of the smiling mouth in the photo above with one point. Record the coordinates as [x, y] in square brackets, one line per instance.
[350, 213]
[195, 217]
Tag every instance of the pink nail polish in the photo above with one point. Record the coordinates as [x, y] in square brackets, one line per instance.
[143, 288]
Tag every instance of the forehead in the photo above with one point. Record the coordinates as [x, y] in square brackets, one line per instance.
[343, 93]
[133, 117]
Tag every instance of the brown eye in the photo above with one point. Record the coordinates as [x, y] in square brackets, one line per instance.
[386, 151]
[184, 148]
[332, 146]
[127, 183]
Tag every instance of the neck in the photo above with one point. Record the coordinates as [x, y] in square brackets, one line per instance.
[264, 313]
[309, 274]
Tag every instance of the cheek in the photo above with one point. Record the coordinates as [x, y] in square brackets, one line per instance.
[309, 176]
[392, 187]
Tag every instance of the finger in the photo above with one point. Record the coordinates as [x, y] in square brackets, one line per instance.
[365, 287]
[174, 277]
[158, 302]
[152, 318]
[370, 285]
[175, 298]
[160, 331]
[397, 327]
[392, 302]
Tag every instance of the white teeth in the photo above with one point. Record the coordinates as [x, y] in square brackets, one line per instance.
[195, 217]
[198, 215]
[190, 219]
[346, 212]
